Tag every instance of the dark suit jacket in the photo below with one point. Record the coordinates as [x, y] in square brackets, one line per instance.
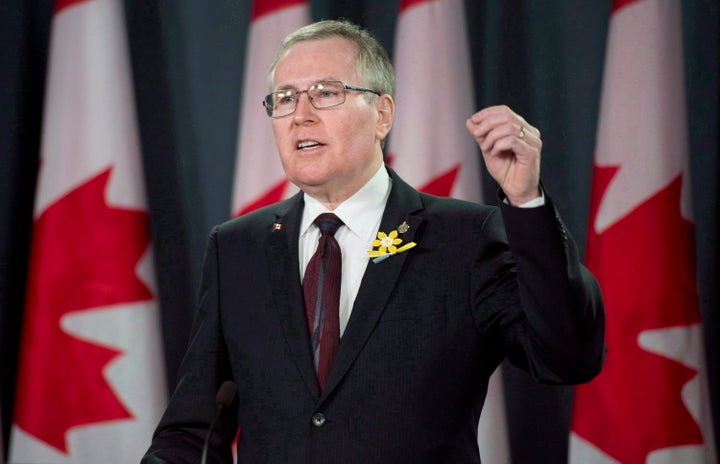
[428, 328]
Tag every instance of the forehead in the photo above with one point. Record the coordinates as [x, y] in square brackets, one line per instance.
[313, 60]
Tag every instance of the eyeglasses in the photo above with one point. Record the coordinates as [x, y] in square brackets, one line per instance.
[321, 95]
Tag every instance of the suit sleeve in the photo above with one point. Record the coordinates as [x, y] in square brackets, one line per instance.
[558, 333]
[180, 435]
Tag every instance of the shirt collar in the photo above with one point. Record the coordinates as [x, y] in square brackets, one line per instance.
[361, 212]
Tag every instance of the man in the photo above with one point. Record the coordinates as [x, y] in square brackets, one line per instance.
[449, 290]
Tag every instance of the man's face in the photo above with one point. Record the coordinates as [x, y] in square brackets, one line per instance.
[329, 153]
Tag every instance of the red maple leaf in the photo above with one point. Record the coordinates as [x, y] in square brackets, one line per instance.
[274, 194]
[442, 184]
[84, 255]
[646, 268]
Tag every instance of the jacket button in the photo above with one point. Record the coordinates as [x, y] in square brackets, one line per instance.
[318, 419]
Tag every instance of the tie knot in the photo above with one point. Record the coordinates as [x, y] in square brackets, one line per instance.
[328, 223]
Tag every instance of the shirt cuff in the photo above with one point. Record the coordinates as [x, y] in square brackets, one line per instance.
[534, 203]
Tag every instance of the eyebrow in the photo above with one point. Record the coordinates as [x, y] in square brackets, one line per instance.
[293, 87]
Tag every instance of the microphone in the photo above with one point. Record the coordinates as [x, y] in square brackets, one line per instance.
[223, 399]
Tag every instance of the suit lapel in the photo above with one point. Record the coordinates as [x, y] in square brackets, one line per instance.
[281, 251]
[378, 281]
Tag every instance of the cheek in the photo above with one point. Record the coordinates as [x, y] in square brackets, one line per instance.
[362, 140]
[282, 144]
[358, 132]
[279, 135]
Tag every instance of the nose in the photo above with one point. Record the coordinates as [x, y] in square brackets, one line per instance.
[304, 111]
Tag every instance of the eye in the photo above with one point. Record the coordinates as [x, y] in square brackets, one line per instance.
[327, 93]
[285, 98]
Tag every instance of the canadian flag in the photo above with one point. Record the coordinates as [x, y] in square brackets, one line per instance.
[649, 404]
[429, 145]
[91, 384]
[259, 176]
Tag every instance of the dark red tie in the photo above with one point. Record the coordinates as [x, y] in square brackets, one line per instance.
[321, 289]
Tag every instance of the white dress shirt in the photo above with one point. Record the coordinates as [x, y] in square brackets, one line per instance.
[361, 214]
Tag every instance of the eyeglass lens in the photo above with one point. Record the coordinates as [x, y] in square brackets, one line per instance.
[321, 95]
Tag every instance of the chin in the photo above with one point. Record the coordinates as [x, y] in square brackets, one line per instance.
[312, 175]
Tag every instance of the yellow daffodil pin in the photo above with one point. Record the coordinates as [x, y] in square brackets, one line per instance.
[386, 245]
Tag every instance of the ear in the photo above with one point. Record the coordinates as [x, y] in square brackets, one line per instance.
[385, 106]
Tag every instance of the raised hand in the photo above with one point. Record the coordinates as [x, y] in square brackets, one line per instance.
[511, 149]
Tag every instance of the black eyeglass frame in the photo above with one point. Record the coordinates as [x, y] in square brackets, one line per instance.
[268, 98]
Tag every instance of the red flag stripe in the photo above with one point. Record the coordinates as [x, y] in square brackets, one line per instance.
[265, 7]
[62, 4]
[405, 4]
[619, 4]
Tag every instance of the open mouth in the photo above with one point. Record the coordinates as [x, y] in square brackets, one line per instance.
[305, 144]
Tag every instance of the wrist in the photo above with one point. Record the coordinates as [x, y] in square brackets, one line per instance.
[526, 201]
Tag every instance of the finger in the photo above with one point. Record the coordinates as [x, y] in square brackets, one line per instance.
[490, 111]
[493, 124]
[482, 124]
[529, 135]
[517, 135]
[472, 127]
[485, 120]
[503, 133]
[509, 146]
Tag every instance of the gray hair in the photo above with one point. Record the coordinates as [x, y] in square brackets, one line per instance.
[372, 63]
